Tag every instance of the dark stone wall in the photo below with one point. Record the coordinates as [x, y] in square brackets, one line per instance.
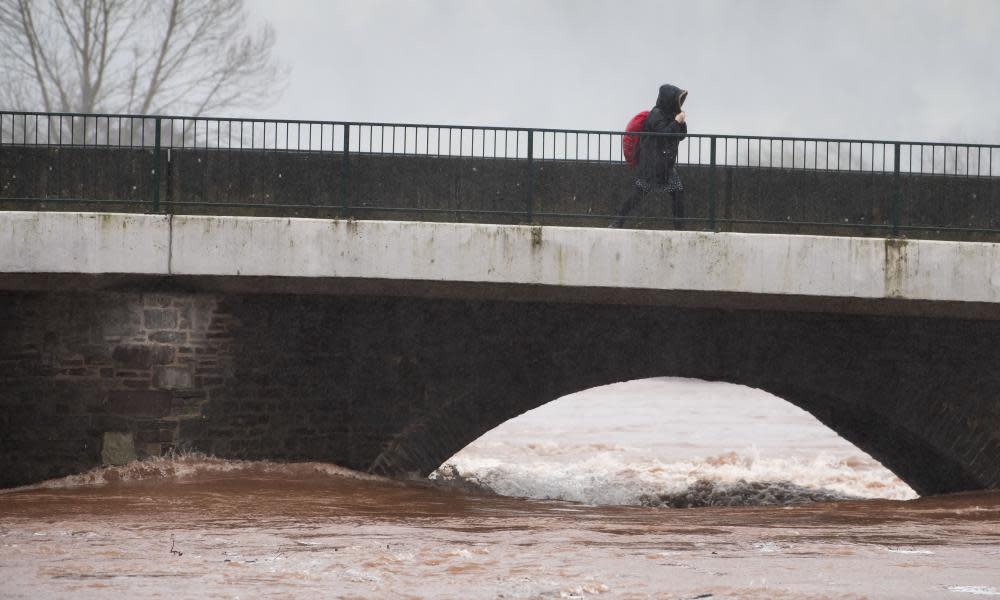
[481, 189]
[75, 366]
[397, 385]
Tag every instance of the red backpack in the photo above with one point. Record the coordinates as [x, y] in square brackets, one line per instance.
[630, 143]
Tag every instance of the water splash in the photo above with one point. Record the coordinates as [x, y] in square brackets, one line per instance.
[193, 465]
[670, 442]
[729, 479]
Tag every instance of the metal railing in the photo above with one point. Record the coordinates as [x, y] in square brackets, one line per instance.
[343, 143]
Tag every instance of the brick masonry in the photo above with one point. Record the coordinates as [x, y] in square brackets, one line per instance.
[397, 385]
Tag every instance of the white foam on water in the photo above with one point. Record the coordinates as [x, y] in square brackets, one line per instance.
[188, 465]
[673, 442]
[728, 479]
[976, 590]
[909, 551]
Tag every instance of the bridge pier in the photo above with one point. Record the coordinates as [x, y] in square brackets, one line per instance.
[395, 384]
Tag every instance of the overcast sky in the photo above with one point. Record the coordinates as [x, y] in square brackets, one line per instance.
[894, 69]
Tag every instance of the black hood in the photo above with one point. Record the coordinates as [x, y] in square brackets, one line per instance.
[671, 99]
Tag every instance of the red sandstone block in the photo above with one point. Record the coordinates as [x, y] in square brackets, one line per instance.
[135, 374]
[154, 435]
[172, 378]
[160, 318]
[139, 403]
[168, 337]
[157, 300]
[141, 357]
[76, 372]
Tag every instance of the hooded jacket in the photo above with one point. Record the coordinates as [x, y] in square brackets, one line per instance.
[658, 154]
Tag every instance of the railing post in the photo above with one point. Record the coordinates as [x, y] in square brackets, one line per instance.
[530, 208]
[345, 172]
[897, 192]
[156, 167]
[712, 186]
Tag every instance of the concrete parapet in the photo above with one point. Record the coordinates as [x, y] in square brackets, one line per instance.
[732, 270]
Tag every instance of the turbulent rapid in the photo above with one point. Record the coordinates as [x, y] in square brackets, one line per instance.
[671, 442]
[575, 500]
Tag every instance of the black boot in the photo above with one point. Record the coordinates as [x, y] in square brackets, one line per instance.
[633, 200]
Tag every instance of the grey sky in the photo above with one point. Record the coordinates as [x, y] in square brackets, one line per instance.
[901, 69]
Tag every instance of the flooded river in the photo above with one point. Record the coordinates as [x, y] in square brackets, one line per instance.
[578, 499]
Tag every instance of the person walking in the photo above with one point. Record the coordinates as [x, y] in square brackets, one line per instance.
[657, 168]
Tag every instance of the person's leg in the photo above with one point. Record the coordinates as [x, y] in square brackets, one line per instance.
[677, 199]
[633, 200]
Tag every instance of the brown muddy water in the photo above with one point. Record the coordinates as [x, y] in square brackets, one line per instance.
[196, 527]
[575, 500]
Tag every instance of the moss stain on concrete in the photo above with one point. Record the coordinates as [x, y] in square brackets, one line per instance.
[536, 237]
[352, 227]
[560, 266]
[105, 221]
[896, 257]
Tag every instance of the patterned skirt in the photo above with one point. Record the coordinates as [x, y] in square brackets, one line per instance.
[673, 184]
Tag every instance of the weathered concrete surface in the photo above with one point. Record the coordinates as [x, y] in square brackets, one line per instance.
[39, 242]
[733, 270]
[397, 385]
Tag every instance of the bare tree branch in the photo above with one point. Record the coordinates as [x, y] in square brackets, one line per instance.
[141, 56]
[31, 40]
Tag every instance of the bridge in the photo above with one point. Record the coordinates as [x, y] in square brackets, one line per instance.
[388, 345]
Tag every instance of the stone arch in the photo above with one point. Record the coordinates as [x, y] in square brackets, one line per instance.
[425, 444]
[910, 392]
[394, 384]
